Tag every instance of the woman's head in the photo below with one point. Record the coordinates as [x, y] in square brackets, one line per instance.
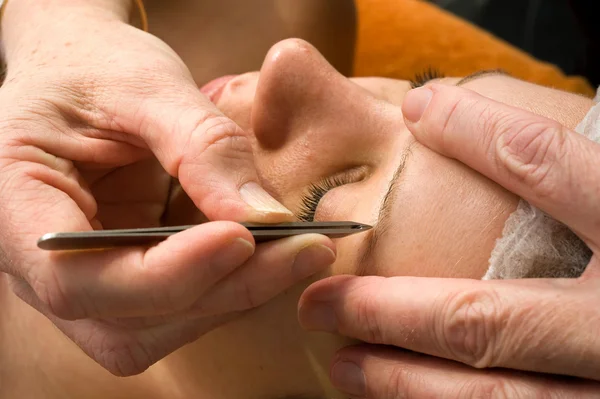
[315, 131]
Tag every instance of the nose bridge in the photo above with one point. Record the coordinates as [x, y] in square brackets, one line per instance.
[300, 95]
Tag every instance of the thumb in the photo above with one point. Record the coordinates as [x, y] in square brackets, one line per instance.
[210, 155]
[536, 158]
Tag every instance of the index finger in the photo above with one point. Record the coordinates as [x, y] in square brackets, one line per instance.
[538, 159]
[519, 324]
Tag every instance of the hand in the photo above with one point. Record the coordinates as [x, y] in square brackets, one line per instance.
[536, 325]
[95, 121]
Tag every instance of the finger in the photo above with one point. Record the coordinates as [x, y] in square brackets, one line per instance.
[117, 283]
[376, 372]
[210, 154]
[534, 157]
[275, 267]
[534, 325]
[130, 351]
[135, 282]
[40, 194]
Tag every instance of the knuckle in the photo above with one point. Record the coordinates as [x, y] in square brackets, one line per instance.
[466, 111]
[62, 105]
[247, 297]
[220, 146]
[366, 316]
[493, 123]
[74, 97]
[450, 120]
[227, 143]
[469, 327]
[400, 384]
[488, 387]
[532, 152]
[505, 389]
[50, 292]
[222, 132]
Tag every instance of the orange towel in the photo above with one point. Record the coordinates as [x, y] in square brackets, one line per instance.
[400, 38]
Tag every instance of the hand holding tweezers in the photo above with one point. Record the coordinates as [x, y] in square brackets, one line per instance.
[98, 239]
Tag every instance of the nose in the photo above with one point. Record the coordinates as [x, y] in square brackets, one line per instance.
[300, 96]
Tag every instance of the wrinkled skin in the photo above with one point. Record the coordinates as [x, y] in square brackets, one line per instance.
[91, 138]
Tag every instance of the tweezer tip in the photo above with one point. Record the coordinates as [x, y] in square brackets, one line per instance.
[362, 226]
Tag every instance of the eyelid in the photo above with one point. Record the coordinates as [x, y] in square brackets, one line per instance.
[355, 174]
[347, 176]
[313, 195]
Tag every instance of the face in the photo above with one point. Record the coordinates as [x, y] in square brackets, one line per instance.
[332, 148]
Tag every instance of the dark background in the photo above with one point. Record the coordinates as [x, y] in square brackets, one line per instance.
[563, 32]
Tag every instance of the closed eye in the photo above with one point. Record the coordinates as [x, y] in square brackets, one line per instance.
[421, 78]
[315, 192]
[310, 201]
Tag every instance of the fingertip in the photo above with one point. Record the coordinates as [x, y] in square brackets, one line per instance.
[324, 289]
[415, 103]
[305, 240]
[221, 230]
[348, 377]
[264, 208]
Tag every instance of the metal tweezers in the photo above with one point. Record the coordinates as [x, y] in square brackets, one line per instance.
[99, 239]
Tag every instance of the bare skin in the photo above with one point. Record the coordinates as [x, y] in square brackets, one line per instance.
[321, 125]
[97, 117]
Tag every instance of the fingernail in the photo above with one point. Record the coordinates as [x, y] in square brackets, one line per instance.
[415, 103]
[255, 196]
[311, 260]
[235, 254]
[317, 316]
[349, 378]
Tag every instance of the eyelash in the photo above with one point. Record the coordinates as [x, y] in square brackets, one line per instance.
[310, 201]
[425, 76]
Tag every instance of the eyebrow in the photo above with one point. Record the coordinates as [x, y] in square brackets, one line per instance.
[482, 74]
[385, 211]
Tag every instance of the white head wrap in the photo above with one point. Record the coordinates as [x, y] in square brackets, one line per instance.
[535, 245]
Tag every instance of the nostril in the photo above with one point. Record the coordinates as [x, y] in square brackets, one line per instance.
[242, 81]
[215, 87]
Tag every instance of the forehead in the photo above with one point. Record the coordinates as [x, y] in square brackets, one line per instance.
[441, 210]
